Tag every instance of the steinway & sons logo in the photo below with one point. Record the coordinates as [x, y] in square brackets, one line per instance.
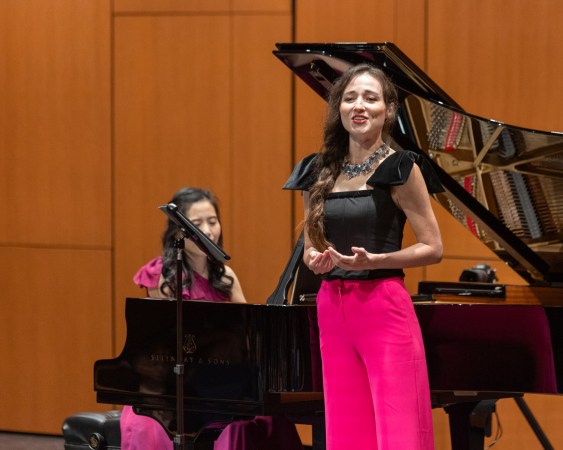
[190, 349]
[189, 344]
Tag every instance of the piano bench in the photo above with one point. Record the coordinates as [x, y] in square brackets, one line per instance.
[101, 431]
[92, 431]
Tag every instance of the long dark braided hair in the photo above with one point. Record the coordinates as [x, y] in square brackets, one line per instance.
[221, 282]
[335, 147]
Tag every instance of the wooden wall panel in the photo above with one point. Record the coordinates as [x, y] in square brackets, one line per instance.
[498, 61]
[56, 321]
[267, 7]
[170, 6]
[172, 129]
[261, 160]
[53, 123]
[55, 215]
[335, 21]
[410, 29]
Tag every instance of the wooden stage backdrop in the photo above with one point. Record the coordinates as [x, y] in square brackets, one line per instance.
[110, 106]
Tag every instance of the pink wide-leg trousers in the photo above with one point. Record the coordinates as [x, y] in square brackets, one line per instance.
[374, 369]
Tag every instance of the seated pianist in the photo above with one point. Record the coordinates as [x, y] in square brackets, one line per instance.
[205, 279]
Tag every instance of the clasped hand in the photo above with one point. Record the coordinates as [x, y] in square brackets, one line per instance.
[324, 262]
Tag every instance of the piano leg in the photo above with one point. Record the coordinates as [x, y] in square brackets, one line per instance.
[470, 422]
[319, 433]
[525, 409]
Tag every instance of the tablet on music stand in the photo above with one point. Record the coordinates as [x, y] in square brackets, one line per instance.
[193, 233]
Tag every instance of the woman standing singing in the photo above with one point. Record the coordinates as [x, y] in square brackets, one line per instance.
[358, 194]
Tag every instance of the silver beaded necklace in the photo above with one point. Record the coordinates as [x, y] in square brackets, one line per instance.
[353, 170]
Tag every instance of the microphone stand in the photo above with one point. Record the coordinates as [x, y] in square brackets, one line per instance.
[179, 438]
[188, 231]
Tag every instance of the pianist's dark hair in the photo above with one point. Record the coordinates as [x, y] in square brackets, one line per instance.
[223, 283]
[335, 146]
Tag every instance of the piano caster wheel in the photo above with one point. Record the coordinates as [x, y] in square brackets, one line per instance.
[96, 441]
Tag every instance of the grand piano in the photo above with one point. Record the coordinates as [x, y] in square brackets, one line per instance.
[484, 341]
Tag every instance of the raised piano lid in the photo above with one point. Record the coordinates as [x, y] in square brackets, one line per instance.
[504, 183]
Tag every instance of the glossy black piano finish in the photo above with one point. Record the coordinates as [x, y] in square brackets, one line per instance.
[486, 348]
[482, 349]
[239, 356]
[245, 360]
[240, 360]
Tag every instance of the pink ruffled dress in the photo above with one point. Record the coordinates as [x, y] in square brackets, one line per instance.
[148, 277]
[261, 433]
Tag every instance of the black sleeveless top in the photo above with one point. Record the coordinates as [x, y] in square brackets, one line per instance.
[367, 218]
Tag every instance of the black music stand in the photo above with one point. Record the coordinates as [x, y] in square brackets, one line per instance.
[188, 231]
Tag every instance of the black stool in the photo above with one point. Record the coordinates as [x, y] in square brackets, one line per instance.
[101, 431]
[92, 431]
